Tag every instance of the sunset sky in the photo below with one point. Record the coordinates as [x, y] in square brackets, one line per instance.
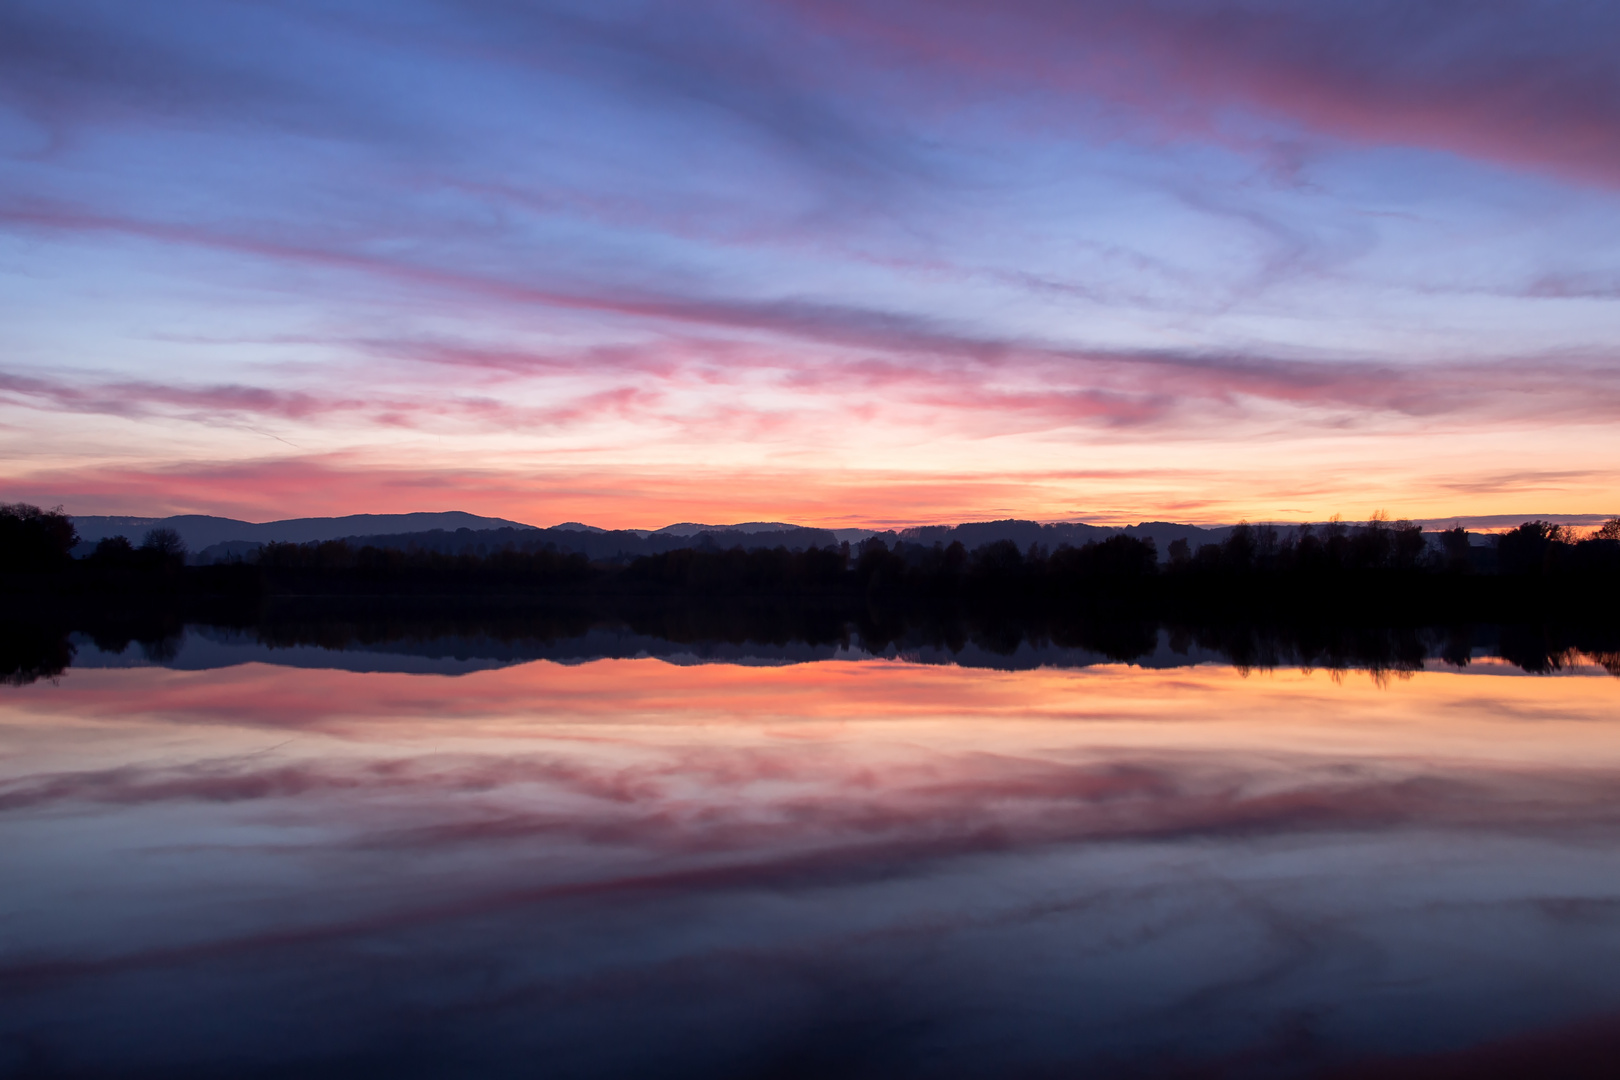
[839, 263]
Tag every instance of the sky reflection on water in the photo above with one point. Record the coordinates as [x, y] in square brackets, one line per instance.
[631, 867]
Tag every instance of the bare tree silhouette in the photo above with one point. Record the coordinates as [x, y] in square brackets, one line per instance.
[165, 542]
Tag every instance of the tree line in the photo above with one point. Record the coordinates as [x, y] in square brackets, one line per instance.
[45, 648]
[1319, 595]
[1254, 561]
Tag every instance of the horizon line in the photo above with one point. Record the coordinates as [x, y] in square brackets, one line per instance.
[1475, 522]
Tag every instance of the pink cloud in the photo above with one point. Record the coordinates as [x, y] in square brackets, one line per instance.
[1029, 387]
[1003, 381]
[1514, 83]
[140, 398]
[233, 402]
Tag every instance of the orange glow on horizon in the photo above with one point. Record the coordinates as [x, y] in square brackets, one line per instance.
[642, 498]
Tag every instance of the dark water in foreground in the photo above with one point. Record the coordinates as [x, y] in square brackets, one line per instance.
[242, 862]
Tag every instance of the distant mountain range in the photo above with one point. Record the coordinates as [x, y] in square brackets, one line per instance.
[200, 531]
[213, 538]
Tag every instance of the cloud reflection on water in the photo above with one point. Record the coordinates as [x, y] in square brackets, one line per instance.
[629, 867]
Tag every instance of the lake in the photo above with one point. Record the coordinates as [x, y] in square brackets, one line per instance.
[617, 860]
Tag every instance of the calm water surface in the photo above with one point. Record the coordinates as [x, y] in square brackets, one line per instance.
[847, 867]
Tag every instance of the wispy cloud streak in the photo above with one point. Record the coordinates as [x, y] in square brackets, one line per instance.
[1521, 83]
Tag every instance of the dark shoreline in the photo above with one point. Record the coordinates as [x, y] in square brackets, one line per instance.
[1375, 597]
[40, 644]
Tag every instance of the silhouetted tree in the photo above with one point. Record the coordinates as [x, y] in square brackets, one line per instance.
[1000, 559]
[35, 539]
[1532, 548]
[1454, 542]
[1407, 545]
[1373, 544]
[1117, 559]
[113, 551]
[1237, 553]
[165, 542]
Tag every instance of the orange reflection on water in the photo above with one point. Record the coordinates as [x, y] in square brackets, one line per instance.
[1489, 709]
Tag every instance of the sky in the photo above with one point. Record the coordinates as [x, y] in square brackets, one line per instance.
[885, 262]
